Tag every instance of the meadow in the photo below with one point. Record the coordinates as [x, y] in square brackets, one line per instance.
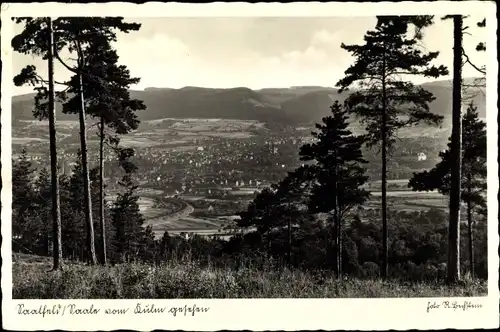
[188, 279]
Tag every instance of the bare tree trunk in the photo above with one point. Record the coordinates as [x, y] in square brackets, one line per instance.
[385, 248]
[336, 220]
[86, 180]
[339, 236]
[456, 157]
[471, 231]
[47, 239]
[101, 193]
[471, 239]
[289, 254]
[56, 207]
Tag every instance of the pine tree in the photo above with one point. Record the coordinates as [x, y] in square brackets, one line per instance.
[73, 220]
[262, 215]
[76, 35]
[41, 31]
[43, 194]
[384, 101]
[127, 221]
[24, 229]
[473, 172]
[75, 229]
[131, 240]
[338, 172]
[456, 156]
[107, 98]
[292, 195]
[279, 207]
[460, 93]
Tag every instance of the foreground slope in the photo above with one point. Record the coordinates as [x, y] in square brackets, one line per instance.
[187, 279]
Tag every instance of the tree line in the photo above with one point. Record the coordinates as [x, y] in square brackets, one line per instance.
[318, 206]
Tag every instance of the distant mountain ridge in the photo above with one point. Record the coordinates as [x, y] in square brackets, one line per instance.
[294, 105]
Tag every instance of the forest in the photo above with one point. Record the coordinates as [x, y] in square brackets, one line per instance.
[312, 223]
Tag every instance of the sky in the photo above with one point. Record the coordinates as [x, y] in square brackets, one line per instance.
[252, 52]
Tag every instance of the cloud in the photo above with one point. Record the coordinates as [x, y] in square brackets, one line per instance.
[158, 48]
[229, 52]
[312, 56]
[324, 37]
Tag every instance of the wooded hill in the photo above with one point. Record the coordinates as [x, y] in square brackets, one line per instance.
[292, 105]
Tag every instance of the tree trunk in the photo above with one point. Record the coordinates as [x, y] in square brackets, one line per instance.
[339, 237]
[385, 248]
[289, 254]
[47, 238]
[456, 157]
[269, 243]
[86, 180]
[470, 230]
[336, 220]
[471, 238]
[56, 207]
[101, 193]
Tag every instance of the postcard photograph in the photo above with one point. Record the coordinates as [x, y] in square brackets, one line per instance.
[183, 162]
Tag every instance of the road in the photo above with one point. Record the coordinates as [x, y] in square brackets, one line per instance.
[180, 221]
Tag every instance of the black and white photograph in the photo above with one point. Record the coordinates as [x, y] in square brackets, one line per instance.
[185, 157]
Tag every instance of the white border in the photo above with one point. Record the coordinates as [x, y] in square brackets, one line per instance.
[275, 314]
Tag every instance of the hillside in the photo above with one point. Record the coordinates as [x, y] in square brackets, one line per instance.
[181, 279]
[292, 105]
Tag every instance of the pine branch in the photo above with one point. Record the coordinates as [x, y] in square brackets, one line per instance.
[47, 82]
[95, 124]
[58, 57]
[467, 60]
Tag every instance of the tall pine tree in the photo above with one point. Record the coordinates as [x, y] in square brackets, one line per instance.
[473, 173]
[456, 155]
[76, 35]
[107, 98]
[384, 101]
[40, 31]
[338, 172]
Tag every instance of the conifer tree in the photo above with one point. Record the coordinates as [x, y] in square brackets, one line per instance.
[76, 35]
[43, 194]
[384, 101]
[456, 139]
[338, 172]
[107, 98]
[41, 31]
[130, 238]
[23, 227]
[473, 172]
[455, 155]
[75, 227]
[291, 198]
[262, 214]
[128, 221]
[281, 206]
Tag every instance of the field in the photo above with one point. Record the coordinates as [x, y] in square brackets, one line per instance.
[166, 132]
[178, 215]
[187, 279]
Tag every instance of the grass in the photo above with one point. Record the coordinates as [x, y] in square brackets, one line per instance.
[34, 280]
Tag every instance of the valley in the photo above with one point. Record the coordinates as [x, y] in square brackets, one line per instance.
[197, 173]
